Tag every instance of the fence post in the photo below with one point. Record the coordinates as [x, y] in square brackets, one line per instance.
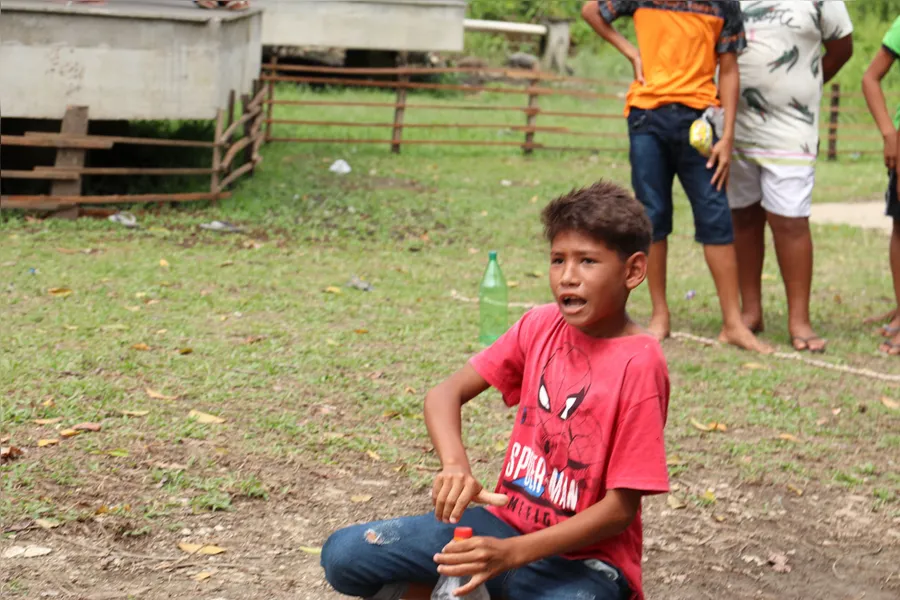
[248, 126]
[833, 120]
[217, 154]
[531, 118]
[271, 97]
[399, 110]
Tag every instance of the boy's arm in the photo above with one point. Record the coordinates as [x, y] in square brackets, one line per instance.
[871, 87]
[837, 53]
[590, 12]
[454, 487]
[486, 557]
[729, 86]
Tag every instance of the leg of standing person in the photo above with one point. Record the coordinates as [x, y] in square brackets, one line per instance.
[652, 175]
[787, 200]
[749, 220]
[712, 222]
[892, 345]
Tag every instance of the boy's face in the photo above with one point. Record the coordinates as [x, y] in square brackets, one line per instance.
[590, 282]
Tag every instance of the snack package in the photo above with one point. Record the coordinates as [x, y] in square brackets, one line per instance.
[705, 130]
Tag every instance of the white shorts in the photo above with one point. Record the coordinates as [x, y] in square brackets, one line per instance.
[785, 190]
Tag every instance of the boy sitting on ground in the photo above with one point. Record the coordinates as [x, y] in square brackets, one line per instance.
[592, 391]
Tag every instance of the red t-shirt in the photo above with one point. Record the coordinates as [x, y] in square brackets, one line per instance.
[590, 418]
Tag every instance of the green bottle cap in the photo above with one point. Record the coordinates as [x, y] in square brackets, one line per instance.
[492, 255]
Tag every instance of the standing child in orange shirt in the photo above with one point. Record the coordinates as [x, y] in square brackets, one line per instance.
[680, 44]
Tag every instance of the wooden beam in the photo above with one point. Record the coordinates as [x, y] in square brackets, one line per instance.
[75, 122]
[48, 174]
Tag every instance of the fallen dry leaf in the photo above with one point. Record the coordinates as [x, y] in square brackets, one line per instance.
[835, 411]
[48, 403]
[60, 292]
[331, 342]
[674, 503]
[789, 438]
[205, 418]
[67, 433]
[47, 442]
[87, 427]
[360, 498]
[254, 339]
[140, 346]
[185, 351]
[410, 390]
[10, 452]
[47, 421]
[134, 413]
[361, 331]
[227, 263]
[708, 496]
[512, 283]
[752, 366]
[47, 523]
[333, 289]
[795, 489]
[719, 518]
[200, 548]
[157, 396]
[390, 414]
[674, 461]
[713, 426]
[26, 551]
[891, 404]
[164, 263]
[202, 576]
[535, 274]
[373, 455]
[310, 549]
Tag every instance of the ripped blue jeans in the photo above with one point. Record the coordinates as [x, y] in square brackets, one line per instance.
[375, 560]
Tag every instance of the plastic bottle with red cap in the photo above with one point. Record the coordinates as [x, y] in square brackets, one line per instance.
[446, 585]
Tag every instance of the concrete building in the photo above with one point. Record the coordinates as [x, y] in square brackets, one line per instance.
[394, 25]
[126, 59]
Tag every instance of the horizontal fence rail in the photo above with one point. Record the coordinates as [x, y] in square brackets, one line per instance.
[235, 153]
[840, 110]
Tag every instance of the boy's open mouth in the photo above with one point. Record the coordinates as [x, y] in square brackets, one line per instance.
[571, 301]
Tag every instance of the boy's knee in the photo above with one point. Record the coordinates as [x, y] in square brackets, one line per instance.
[337, 561]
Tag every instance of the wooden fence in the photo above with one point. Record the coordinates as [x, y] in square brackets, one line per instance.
[236, 142]
[235, 152]
[840, 110]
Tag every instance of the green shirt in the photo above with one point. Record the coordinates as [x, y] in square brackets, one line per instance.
[891, 43]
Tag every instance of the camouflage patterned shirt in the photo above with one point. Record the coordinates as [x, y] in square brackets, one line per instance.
[781, 77]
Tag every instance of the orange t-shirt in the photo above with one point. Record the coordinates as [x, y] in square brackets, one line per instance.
[680, 43]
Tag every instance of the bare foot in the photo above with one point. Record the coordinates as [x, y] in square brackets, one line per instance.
[741, 336]
[891, 347]
[891, 314]
[804, 338]
[753, 322]
[891, 329]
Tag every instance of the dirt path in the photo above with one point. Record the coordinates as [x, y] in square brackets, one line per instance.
[835, 547]
[867, 215]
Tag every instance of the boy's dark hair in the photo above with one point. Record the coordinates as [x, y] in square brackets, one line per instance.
[604, 211]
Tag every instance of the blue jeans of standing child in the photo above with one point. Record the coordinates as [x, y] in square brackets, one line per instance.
[375, 560]
[661, 149]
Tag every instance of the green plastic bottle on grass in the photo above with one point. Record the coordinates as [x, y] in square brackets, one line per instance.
[492, 302]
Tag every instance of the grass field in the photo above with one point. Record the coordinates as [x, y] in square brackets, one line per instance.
[320, 385]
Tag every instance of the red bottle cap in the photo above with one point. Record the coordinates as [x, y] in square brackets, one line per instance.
[462, 533]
